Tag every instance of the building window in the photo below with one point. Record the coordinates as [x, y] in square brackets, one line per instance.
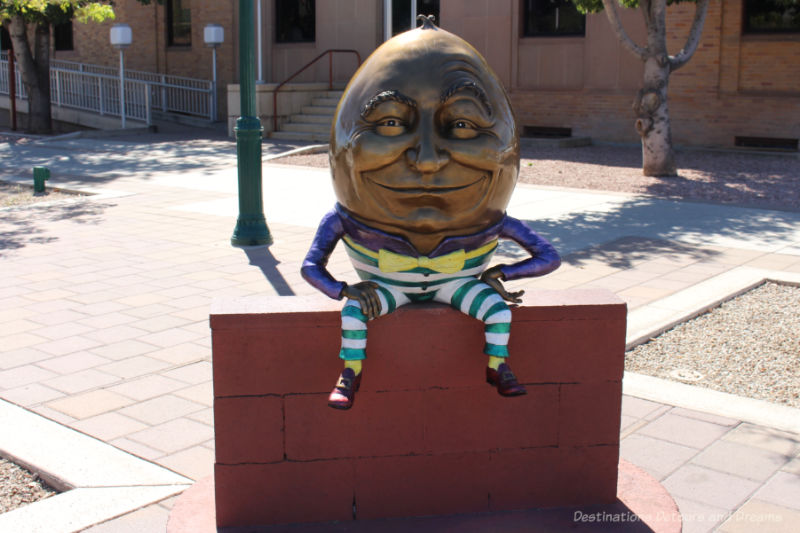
[402, 18]
[772, 16]
[5, 40]
[62, 36]
[549, 18]
[179, 23]
[295, 21]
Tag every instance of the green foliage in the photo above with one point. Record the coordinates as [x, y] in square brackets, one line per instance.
[596, 6]
[56, 11]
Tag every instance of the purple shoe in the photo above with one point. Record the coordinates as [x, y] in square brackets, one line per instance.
[505, 381]
[343, 394]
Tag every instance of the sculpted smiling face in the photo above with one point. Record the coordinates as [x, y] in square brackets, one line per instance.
[424, 143]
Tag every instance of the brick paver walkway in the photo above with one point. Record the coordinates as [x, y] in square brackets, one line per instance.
[104, 307]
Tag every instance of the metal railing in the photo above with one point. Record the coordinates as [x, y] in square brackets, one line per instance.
[95, 88]
[99, 93]
[4, 88]
[170, 94]
[329, 53]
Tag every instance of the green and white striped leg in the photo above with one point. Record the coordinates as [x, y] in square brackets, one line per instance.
[354, 322]
[475, 298]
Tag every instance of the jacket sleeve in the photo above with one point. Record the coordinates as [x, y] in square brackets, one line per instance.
[544, 258]
[313, 270]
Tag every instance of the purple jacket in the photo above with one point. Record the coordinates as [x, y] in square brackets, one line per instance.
[337, 223]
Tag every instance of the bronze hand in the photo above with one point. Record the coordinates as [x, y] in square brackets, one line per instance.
[492, 278]
[366, 292]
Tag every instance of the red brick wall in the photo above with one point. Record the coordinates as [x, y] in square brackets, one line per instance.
[426, 435]
[708, 120]
[769, 64]
[149, 51]
[734, 85]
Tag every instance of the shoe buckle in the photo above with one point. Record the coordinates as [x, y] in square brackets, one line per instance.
[507, 376]
[344, 382]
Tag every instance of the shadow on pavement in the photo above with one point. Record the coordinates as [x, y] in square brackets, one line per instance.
[261, 257]
[29, 225]
[645, 228]
[626, 252]
[99, 159]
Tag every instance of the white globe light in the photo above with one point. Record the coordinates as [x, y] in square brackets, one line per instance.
[213, 34]
[121, 35]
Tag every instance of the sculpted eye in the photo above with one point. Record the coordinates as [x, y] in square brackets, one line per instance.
[390, 127]
[462, 129]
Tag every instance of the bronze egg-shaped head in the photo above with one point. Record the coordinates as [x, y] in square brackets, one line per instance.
[424, 143]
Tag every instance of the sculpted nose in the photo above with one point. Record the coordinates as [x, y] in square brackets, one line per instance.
[426, 157]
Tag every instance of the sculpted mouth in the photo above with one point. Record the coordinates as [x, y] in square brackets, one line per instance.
[431, 189]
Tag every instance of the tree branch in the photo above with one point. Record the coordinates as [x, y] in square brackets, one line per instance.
[682, 57]
[613, 18]
[645, 6]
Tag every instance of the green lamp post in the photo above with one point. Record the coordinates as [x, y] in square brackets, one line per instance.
[251, 226]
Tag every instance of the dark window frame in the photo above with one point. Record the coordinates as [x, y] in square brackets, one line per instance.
[292, 26]
[748, 28]
[401, 17]
[179, 39]
[5, 40]
[63, 37]
[527, 19]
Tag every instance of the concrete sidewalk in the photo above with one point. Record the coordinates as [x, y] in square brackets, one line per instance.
[104, 307]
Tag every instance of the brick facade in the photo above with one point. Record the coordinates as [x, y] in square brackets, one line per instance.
[149, 51]
[735, 84]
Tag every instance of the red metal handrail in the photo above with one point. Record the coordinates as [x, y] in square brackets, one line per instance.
[329, 53]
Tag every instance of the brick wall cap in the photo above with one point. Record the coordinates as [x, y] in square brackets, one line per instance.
[536, 305]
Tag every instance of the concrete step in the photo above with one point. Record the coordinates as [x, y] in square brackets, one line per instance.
[325, 102]
[298, 136]
[311, 119]
[334, 94]
[306, 127]
[316, 110]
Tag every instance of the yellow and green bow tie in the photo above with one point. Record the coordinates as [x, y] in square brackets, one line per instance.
[445, 264]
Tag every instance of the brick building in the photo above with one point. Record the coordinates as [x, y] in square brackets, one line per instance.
[565, 73]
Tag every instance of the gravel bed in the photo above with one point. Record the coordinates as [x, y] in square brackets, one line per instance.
[747, 346]
[16, 195]
[738, 178]
[19, 487]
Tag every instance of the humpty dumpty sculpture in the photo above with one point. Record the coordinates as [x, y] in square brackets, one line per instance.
[424, 155]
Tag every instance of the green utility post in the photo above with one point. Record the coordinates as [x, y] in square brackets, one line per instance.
[40, 175]
[251, 226]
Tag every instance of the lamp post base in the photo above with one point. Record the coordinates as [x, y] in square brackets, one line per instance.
[251, 231]
[251, 225]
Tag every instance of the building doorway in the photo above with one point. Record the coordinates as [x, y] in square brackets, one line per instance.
[401, 15]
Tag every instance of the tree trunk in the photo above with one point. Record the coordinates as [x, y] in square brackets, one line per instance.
[35, 69]
[650, 106]
[652, 119]
[41, 117]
